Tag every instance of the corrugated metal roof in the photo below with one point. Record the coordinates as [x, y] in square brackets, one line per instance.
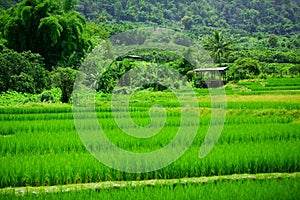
[210, 69]
[133, 56]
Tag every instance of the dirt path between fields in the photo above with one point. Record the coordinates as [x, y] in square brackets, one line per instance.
[143, 183]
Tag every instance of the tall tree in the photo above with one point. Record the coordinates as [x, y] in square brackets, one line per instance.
[219, 47]
[41, 26]
[64, 78]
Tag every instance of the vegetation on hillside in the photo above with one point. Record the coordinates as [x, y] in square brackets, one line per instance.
[252, 38]
[54, 53]
[272, 16]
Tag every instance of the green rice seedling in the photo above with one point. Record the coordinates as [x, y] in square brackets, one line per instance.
[46, 150]
[233, 158]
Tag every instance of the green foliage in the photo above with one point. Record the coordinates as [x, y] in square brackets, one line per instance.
[64, 79]
[155, 55]
[268, 56]
[5, 4]
[47, 97]
[168, 58]
[127, 37]
[22, 83]
[218, 47]
[187, 22]
[51, 26]
[147, 72]
[96, 33]
[244, 68]
[42, 27]
[295, 70]
[199, 81]
[62, 36]
[273, 16]
[3, 20]
[279, 69]
[294, 41]
[13, 98]
[273, 41]
[109, 79]
[270, 16]
[22, 72]
[182, 66]
[69, 5]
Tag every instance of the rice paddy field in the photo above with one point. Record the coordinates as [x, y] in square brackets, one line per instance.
[40, 147]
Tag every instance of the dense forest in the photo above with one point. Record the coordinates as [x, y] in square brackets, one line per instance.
[272, 16]
[44, 42]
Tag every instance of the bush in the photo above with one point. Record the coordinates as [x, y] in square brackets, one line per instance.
[22, 72]
[295, 70]
[64, 78]
[16, 98]
[262, 76]
[109, 79]
[269, 69]
[52, 96]
[244, 68]
[199, 81]
[47, 97]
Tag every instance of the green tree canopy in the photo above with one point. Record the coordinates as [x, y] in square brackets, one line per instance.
[43, 27]
[69, 5]
[218, 46]
[244, 68]
[187, 22]
[273, 16]
[22, 72]
[273, 41]
[64, 78]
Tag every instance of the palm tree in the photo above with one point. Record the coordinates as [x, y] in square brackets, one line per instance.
[218, 47]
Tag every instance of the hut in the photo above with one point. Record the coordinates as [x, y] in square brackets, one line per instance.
[214, 77]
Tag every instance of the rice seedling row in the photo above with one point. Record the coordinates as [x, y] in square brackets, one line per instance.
[38, 148]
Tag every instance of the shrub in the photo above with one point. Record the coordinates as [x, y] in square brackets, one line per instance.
[262, 76]
[199, 81]
[64, 79]
[295, 70]
[244, 68]
[22, 72]
[47, 97]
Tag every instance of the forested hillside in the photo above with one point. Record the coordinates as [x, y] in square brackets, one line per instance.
[49, 39]
[273, 16]
[149, 99]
